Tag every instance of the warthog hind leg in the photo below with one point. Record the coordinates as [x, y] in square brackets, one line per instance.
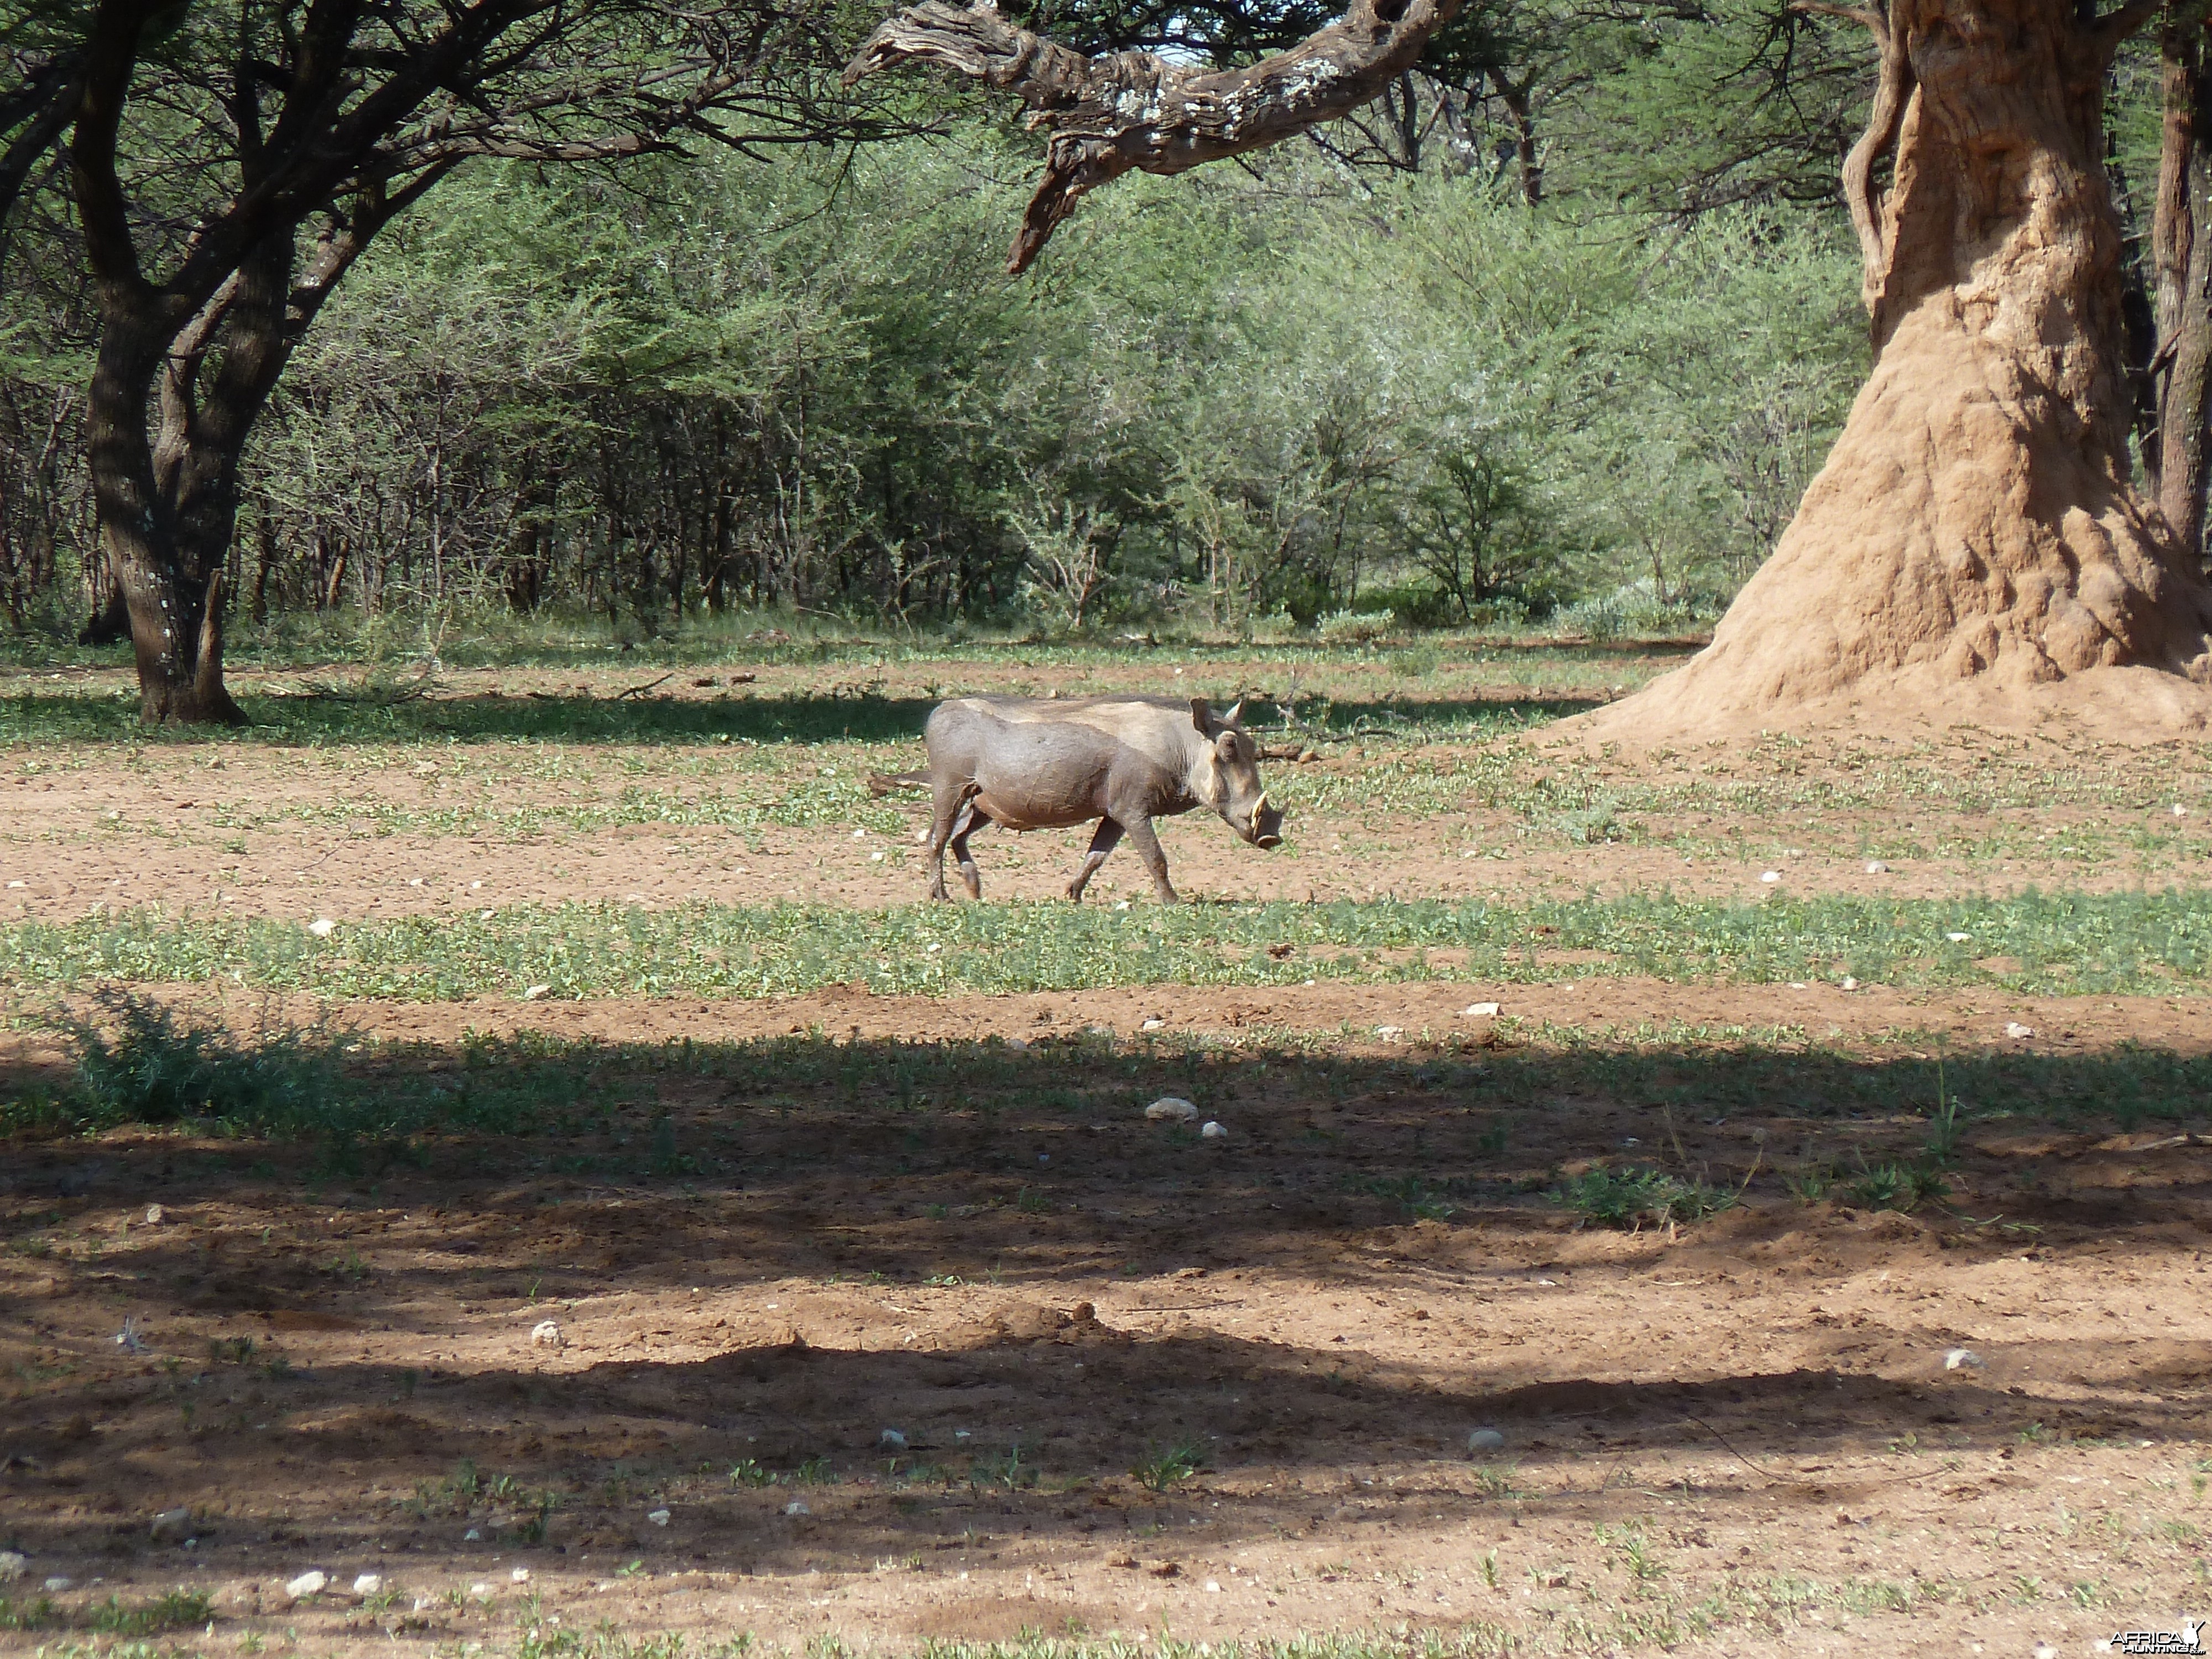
[968, 821]
[1103, 842]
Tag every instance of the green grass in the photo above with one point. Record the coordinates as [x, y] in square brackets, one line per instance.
[2063, 943]
[1638, 1197]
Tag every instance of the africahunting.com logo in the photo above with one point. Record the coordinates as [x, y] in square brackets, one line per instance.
[2188, 1639]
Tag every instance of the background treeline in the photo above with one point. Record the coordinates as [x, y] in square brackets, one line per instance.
[1473, 361]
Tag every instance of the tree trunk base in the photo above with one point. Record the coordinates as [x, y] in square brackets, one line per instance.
[1963, 554]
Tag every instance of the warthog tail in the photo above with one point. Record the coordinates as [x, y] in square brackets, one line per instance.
[892, 783]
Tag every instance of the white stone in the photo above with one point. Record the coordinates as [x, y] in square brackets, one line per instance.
[891, 1440]
[534, 993]
[1770, 876]
[2017, 1031]
[1153, 1026]
[306, 1584]
[1959, 1358]
[1387, 1032]
[369, 1583]
[1850, 984]
[1213, 1587]
[58, 1583]
[546, 1333]
[12, 1563]
[153, 1215]
[796, 1508]
[482, 1592]
[519, 1576]
[659, 1517]
[1214, 1131]
[1171, 1108]
[322, 927]
[1479, 1010]
[1876, 868]
[471, 1536]
[1486, 1440]
[1958, 939]
[172, 1526]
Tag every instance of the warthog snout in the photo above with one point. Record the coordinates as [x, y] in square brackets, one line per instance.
[1267, 824]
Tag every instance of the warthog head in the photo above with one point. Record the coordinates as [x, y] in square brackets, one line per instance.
[1238, 795]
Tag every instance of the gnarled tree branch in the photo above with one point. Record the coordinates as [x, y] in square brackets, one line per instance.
[1891, 90]
[1128, 111]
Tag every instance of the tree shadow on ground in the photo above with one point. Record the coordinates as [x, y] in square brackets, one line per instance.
[763, 1255]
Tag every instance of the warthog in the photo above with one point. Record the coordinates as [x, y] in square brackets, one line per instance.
[1023, 763]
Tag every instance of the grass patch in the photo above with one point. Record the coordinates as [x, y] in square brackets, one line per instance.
[2063, 943]
[1632, 1198]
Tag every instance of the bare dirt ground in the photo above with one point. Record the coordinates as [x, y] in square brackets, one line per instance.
[1147, 1384]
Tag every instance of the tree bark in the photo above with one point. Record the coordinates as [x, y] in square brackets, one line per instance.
[1974, 529]
[1134, 111]
[2182, 366]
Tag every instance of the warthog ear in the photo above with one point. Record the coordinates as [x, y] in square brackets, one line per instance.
[1201, 715]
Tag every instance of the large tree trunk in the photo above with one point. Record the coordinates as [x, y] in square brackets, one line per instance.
[2182, 260]
[1974, 536]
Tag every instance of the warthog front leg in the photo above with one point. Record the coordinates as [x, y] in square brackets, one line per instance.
[1107, 839]
[948, 807]
[1139, 829]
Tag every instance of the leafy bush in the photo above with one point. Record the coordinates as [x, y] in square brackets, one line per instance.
[144, 1063]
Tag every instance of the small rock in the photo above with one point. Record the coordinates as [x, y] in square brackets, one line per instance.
[1213, 1131]
[12, 1563]
[1771, 877]
[482, 1592]
[519, 1576]
[796, 1508]
[173, 1526]
[891, 1440]
[306, 1584]
[2017, 1031]
[1153, 1026]
[1876, 868]
[1959, 1358]
[1213, 1587]
[1019, 1045]
[58, 1583]
[2179, 811]
[659, 1517]
[1486, 1440]
[534, 993]
[471, 1536]
[2044, 1650]
[1958, 939]
[1387, 1032]
[860, 835]
[369, 1583]
[1479, 1010]
[1170, 1109]
[1850, 984]
[153, 1215]
[322, 927]
[546, 1333]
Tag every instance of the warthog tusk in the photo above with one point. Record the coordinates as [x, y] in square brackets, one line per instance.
[1261, 808]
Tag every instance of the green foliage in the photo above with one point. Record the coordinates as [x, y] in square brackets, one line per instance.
[144, 1063]
[1636, 1197]
[1161, 1469]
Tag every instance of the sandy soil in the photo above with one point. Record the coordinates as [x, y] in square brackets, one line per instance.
[1741, 1438]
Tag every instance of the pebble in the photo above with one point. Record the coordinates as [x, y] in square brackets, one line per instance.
[2016, 1031]
[1479, 1010]
[1486, 1440]
[1213, 1131]
[471, 1536]
[153, 1215]
[1958, 939]
[306, 1584]
[1771, 877]
[482, 1592]
[322, 927]
[1962, 1358]
[58, 1583]
[796, 1508]
[1387, 1032]
[1170, 1109]
[891, 1440]
[1154, 1025]
[519, 1576]
[659, 1517]
[2044, 1650]
[369, 1583]
[12, 1563]
[1213, 1587]
[546, 1333]
[173, 1526]
[1876, 868]
[1850, 984]
[531, 994]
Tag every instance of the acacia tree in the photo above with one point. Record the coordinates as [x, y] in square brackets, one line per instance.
[1975, 521]
[230, 165]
